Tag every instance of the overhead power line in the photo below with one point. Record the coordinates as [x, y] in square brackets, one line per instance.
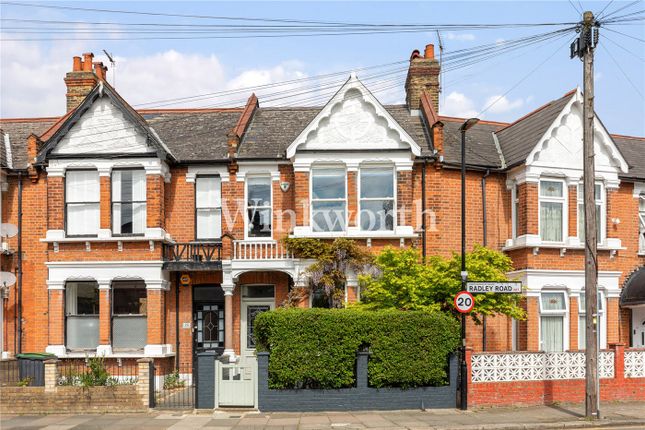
[280, 20]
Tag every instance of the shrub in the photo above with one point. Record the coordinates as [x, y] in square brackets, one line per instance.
[173, 381]
[316, 348]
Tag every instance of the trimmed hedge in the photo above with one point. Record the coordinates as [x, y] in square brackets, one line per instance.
[316, 348]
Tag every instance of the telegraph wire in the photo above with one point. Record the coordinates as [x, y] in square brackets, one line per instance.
[626, 35]
[518, 83]
[623, 72]
[623, 48]
[618, 10]
[599, 14]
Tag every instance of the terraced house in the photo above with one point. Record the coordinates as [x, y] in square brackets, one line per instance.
[156, 233]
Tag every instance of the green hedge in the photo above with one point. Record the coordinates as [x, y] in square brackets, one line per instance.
[316, 348]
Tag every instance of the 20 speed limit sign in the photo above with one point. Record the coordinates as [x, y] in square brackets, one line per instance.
[464, 302]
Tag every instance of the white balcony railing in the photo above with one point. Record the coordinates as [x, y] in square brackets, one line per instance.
[259, 250]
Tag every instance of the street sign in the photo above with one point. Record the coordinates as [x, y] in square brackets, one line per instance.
[494, 287]
[464, 302]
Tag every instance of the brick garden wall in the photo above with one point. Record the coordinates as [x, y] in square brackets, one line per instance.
[546, 392]
[71, 400]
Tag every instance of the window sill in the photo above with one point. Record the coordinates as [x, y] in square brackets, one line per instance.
[400, 232]
[534, 241]
[105, 235]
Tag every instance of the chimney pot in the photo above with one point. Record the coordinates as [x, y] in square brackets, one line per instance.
[100, 70]
[429, 52]
[423, 75]
[87, 61]
[77, 64]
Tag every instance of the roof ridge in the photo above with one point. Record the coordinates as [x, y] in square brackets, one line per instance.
[539, 109]
[189, 110]
[627, 136]
[481, 121]
[23, 119]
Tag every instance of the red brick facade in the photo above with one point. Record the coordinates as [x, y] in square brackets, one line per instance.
[171, 219]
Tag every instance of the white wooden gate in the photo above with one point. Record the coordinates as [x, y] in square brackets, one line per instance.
[236, 384]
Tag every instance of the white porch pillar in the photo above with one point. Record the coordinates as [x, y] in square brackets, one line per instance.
[229, 351]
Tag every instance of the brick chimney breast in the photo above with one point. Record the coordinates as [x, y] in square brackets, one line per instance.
[423, 75]
[82, 79]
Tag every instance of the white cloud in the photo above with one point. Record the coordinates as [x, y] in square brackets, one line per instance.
[457, 104]
[501, 104]
[459, 36]
[31, 78]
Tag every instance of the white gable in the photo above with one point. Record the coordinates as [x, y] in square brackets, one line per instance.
[103, 129]
[353, 120]
[561, 146]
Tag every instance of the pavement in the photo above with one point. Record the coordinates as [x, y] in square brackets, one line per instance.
[614, 415]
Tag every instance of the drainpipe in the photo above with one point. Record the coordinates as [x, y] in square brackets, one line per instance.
[484, 243]
[19, 322]
[423, 209]
[177, 279]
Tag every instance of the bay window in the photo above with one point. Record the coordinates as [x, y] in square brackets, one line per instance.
[641, 222]
[258, 206]
[552, 210]
[208, 208]
[82, 210]
[599, 198]
[601, 323]
[376, 198]
[328, 199]
[553, 312]
[82, 315]
[129, 314]
[129, 202]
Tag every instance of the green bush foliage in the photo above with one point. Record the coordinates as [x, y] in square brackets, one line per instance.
[316, 348]
[404, 282]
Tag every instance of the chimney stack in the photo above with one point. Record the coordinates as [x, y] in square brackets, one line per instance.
[82, 79]
[423, 75]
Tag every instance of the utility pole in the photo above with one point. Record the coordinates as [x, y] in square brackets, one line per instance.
[584, 47]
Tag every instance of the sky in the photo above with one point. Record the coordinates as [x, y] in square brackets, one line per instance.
[150, 71]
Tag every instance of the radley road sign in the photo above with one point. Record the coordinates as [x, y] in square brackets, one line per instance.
[493, 287]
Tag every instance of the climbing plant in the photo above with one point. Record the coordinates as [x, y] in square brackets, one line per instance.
[328, 274]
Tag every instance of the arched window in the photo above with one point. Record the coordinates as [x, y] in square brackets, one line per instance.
[129, 314]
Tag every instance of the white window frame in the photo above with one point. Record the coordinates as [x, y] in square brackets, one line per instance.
[641, 223]
[602, 202]
[565, 210]
[601, 322]
[96, 202]
[514, 207]
[246, 207]
[114, 202]
[555, 313]
[197, 208]
[311, 198]
[393, 198]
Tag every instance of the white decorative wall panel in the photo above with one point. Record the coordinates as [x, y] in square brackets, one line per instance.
[634, 364]
[103, 129]
[536, 366]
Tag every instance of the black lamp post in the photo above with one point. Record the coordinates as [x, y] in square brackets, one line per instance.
[463, 388]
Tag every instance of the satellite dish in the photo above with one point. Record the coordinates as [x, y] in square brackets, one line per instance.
[8, 230]
[7, 278]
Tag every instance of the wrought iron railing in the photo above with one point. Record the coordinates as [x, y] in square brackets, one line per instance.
[193, 252]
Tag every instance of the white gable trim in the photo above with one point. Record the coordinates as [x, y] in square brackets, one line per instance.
[353, 84]
[598, 126]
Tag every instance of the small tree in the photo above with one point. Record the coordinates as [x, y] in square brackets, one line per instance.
[405, 283]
